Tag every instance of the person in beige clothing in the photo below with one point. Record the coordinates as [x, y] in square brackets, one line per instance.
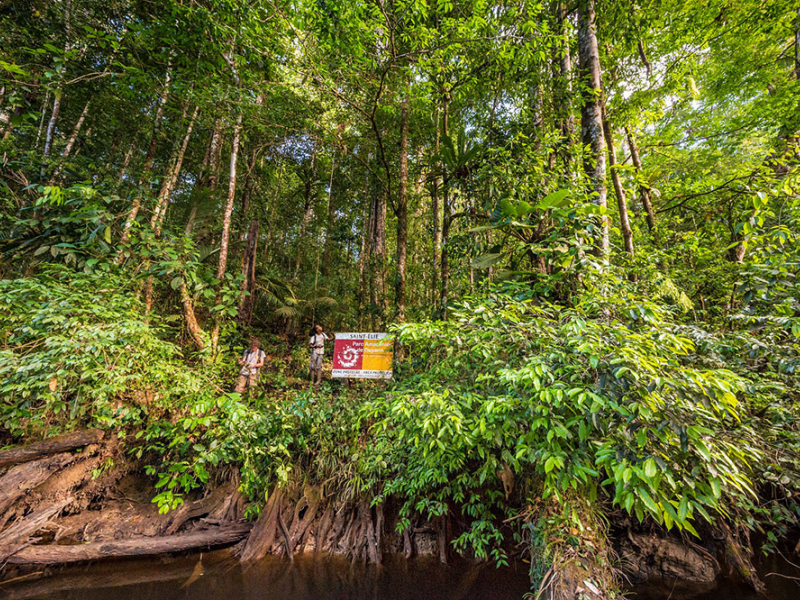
[252, 360]
[317, 345]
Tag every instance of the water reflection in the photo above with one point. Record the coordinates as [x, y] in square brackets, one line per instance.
[216, 576]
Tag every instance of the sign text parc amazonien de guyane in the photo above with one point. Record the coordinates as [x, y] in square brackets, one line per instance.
[362, 356]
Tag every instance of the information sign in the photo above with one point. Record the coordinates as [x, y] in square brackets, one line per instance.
[362, 356]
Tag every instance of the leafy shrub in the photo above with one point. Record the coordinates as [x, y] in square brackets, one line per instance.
[77, 350]
[600, 399]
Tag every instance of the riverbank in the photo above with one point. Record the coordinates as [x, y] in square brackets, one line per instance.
[216, 574]
[60, 507]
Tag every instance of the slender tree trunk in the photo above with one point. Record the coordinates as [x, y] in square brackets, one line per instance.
[126, 161]
[245, 312]
[624, 222]
[81, 142]
[797, 46]
[42, 120]
[437, 232]
[51, 125]
[644, 189]
[148, 164]
[565, 118]
[331, 226]
[70, 143]
[308, 214]
[247, 193]
[168, 186]
[195, 331]
[378, 251]
[789, 138]
[226, 229]
[535, 107]
[51, 128]
[112, 151]
[364, 255]
[4, 118]
[76, 131]
[210, 161]
[271, 220]
[402, 217]
[591, 114]
[162, 203]
[446, 222]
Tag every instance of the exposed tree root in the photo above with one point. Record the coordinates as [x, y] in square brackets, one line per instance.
[223, 504]
[299, 520]
[578, 554]
[661, 556]
[738, 557]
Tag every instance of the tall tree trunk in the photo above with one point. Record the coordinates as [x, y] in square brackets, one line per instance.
[591, 114]
[308, 214]
[437, 232]
[42, 120]
[446, 221]
[271, 219]
[51, 129]
[169, 183]
[797, 46]
[247, 193]
[331, 226]
[644, 189]
[364, 255]
[167, 186]
[565, 119]
[112, 151]
[789, 136]
[126, 161]
[378, 252]
[209, 165]
[51, 125]
[195, 331]
[148, 164]
[624, 222]
[245, 312]
[70, 143]
[81, 142]
[402, 217]
[76, 131]
[226, 229]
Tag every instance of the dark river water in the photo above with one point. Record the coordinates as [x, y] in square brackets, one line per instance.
[216, 576]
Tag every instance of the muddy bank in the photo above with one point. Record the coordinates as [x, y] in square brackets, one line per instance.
[76, 499]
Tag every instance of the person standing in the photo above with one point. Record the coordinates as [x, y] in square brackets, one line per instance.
[252, 360]
[317, 344]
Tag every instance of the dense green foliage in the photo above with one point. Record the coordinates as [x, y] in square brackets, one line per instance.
[175, 177]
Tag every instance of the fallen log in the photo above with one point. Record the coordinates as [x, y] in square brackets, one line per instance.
[143, 546]
[54, 445]
[27, 476]
[18, 536]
